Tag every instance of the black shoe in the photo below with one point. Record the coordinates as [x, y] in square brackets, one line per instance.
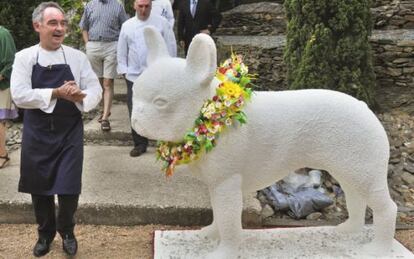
[69, 244]
[41, 247]
[138, 150]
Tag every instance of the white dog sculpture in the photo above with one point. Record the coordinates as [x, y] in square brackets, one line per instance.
[285, 131]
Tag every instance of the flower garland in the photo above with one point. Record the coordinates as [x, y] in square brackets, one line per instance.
[215, 115]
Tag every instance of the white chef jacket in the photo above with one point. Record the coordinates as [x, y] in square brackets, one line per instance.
[164, 8]
[21, 83]
[132, 50]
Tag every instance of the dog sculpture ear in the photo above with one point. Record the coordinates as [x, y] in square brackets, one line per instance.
[155, 44]
[202, 59]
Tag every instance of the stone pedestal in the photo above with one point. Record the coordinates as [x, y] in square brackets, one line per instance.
[309, 242]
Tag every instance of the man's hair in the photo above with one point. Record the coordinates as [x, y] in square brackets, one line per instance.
[37, 15]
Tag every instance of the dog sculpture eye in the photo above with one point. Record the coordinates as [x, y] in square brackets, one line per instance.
[160, 102]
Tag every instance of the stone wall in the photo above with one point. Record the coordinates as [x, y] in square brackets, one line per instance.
[394, 57]
[394, 68]
[263, 55]
[268, 18]
[254, 19]
[394, 15]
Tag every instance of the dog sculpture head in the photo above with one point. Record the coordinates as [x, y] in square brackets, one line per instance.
[168, 95]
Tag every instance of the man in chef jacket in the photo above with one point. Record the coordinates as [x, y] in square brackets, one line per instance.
[54, 83]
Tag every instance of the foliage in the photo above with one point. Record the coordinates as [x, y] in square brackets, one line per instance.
[327, 46]
[74, 10]
[17, 17]
[129, 7]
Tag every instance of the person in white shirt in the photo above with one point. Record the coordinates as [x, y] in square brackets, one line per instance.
[132, 54]
[54, 83]
[164, 8]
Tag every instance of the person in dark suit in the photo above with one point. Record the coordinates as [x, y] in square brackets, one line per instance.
[196, 16]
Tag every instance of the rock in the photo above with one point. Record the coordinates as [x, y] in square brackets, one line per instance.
[410, 147]
[395, 160]
[262, 198]
[409, 167]
[404, 209]
[314, 216]
[408, 178]
[267, 211]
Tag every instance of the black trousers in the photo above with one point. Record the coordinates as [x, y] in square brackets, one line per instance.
[138, 139]
[48, 223]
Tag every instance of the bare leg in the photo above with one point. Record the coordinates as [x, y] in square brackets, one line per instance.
[3, 151]
[108, 93]
[227, 206]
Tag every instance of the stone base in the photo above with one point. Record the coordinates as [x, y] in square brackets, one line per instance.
[309, 242]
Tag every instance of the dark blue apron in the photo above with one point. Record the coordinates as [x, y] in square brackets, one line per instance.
[52, 143]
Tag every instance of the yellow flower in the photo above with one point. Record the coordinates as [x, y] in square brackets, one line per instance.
[232, 89]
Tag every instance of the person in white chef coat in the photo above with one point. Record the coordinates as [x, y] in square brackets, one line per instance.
[54, 83]
[164, 9]
[132, 55]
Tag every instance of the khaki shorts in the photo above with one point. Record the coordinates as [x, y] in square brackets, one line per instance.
[102, 56]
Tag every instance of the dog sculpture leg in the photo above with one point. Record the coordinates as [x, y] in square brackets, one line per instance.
[356, 205]
[227, 205]
[211, 231]
[384, 211]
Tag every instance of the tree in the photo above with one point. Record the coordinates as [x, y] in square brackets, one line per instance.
[328, 46]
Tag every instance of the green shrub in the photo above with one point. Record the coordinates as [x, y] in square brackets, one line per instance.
[74, 10]
[327, 46]
[16, 16]
[129, 7]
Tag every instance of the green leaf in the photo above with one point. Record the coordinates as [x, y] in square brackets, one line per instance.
[209, 145]
[241, 117]
[244, 81]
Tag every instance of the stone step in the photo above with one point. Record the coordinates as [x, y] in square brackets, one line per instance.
[120, 190]
[120, 124]
[120, 127]
[268, 18]
[393, 56]
[120, 90]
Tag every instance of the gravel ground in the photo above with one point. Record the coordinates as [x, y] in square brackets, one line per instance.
[16, 241]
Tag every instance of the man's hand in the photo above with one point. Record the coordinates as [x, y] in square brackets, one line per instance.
[69, 91]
